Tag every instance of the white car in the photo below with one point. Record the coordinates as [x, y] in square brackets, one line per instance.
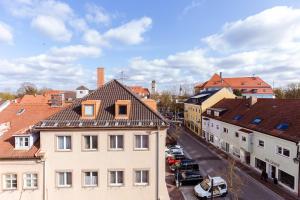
[175, 150]
[204, 189]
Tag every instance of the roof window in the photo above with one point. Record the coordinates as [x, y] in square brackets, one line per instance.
[282, 126]
[21, 111]
[256, 120]
[237, 117]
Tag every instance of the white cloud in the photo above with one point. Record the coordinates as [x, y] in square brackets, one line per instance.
[279, 26]
[76, 51]
[131, 32]
[6, 35]
[97, 14]
[194, 4]
[93, 37]
[52, 27]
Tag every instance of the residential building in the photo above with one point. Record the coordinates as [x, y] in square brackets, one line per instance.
[21, 168]
[4, 104]
[141, 91]
[108, 144]
[247, 86]
[263, 133]
[196, 105]
[81, 91]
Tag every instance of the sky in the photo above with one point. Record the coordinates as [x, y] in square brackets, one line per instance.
[59, 44]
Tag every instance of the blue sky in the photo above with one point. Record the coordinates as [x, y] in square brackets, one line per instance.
[59, 44]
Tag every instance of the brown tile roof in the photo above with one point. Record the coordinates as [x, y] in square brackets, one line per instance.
[19, 124]
[271, 111]
[140, 114]
[247, 83]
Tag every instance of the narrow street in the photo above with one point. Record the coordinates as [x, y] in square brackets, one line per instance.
[213, 165]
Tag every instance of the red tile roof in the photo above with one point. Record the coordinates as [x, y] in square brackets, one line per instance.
[271, 111]
[247, 83]
[33, 113]
[140, 90]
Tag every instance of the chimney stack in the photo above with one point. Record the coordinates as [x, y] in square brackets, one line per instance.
[221, 77]
[100, 77]
[252, 100]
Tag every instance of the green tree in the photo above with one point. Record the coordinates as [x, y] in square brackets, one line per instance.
[237, 92]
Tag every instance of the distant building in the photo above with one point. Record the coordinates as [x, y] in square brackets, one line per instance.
[141, 91]
[247, 86]
[153, 87]
[196, 105]
[81, 91]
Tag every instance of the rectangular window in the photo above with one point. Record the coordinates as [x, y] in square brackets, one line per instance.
[89, 110]
[90, 178]
[236, 134]
[10, 181]
[141, 141]
[244, 138]
[282, 151]
[122, 109]
[64, 179]
[286, 179]
[116, 142]
[90, 142]
[261, 143]
[30, 181]
[225, 130]
[217, 126]
[116, 178]
[21, 142]
[141, 177]
[260, 164]
[64, 143]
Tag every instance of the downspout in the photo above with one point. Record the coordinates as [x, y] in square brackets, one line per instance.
[298, 156]
[157, 163]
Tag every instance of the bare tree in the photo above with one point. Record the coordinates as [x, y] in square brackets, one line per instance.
[27, 88]
[234, 181]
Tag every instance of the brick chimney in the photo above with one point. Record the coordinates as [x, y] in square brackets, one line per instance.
[100, 77]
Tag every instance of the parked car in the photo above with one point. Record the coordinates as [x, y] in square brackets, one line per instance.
[204, 189]
[187, 178]
[174, 150]
[185, 165]
[171, 160]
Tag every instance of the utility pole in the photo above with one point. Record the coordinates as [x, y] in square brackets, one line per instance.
[212, 189]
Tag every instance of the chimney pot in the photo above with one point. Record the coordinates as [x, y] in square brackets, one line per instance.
[100, 77]
[252, 100]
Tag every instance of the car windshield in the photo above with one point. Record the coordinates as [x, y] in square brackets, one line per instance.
[205, 184]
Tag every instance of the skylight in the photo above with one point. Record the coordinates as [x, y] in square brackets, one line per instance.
[282, 126]
[256, 120]
[20, 111]
[237, 117]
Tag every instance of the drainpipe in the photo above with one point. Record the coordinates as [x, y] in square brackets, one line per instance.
[298, 156]
[157, 163]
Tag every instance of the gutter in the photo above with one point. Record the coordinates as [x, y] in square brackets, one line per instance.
[157, 164]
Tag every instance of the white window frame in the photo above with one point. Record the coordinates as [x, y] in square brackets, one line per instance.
[116, 148]
[33, 179]
[140, 147]
[141, 183]
[282, 149]
[65, 185]
[90, 143]
[64, 143]
[259, 144]
[89, 105]
[91, 177]
[12, 177]
[20, 142]
[117, 184]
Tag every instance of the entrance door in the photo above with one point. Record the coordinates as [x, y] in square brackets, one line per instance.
[272, 171]
[227, 147]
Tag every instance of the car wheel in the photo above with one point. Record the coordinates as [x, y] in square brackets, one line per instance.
[224, 195]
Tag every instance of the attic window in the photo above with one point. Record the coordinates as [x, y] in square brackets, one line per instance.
[208, 112]
[122, 109]
[22, 142]
[282, 126]
[20, 111]
[256, 121]
[237, 117]
[89, 110]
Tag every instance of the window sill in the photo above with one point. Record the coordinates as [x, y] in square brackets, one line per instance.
[282, 155]
[9, 189]
[90, 186]
[63, 150]
[116, 149]
[141, 184]
[141, 149]
[30, 188]
[64, 186]
[116, 185]
[89, 150]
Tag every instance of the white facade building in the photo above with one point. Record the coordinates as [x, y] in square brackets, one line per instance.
[225, 126]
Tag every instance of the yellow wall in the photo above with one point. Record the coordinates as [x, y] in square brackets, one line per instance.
[193, 113]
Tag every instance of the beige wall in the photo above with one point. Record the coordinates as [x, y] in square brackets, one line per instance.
[20, 167]
[103, 160]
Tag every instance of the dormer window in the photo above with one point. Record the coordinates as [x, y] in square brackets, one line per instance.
[256, 120]
[122, 109]
[217, 114]
[22, 142]
[90, 108]
[282, 126]
[208, 112]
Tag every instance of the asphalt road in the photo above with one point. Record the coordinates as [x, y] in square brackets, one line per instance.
[211, 164]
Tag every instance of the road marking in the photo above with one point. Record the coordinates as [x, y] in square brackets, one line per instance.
[241, 171]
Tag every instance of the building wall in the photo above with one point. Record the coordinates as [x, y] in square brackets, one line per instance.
[81, 93]
[267, 153]
[193, 112]
[21, 167]
[103, 160]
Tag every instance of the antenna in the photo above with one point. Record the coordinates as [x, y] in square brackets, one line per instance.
[122, 76]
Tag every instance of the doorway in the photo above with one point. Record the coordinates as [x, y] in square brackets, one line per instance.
[272, 171]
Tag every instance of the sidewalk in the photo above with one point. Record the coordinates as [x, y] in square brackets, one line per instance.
[247, 169]
[173, 191]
